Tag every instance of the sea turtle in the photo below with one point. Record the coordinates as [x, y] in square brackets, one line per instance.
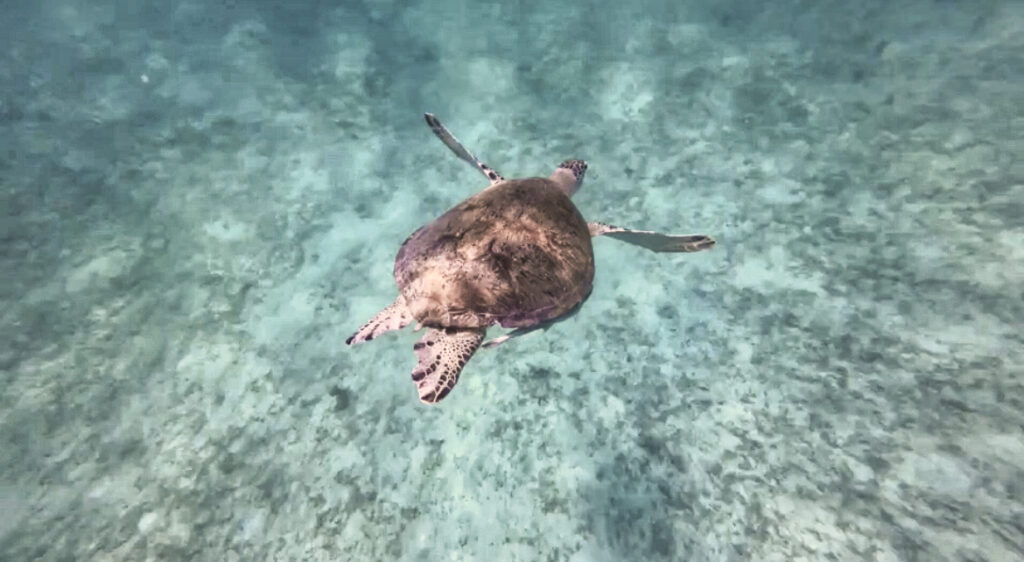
[517, 254]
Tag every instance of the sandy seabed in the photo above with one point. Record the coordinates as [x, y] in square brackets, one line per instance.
[199, 202]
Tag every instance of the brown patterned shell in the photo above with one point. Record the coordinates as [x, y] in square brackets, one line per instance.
[517, 254]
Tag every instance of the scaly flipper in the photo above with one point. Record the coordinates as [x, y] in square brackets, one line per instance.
[453, 143]
[654, 241]
[495, 342]
[441, 354]
[394, 317]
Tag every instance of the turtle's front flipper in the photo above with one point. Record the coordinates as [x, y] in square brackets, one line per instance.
[441, 354]
[394, 317]
[654, 241]
[453, 143]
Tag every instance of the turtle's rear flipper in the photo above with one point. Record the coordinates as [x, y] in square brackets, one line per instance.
[442, 353]
[394, 317]
[654, 241]
[495, 342]
[453, 143]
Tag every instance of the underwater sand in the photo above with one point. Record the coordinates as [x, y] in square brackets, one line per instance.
[200, 201]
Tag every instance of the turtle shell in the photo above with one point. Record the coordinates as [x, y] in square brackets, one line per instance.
[517, 254]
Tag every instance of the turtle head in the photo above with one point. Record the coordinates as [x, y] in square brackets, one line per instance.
[569, 176]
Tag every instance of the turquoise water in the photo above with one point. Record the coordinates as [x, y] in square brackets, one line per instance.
[199, 202]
